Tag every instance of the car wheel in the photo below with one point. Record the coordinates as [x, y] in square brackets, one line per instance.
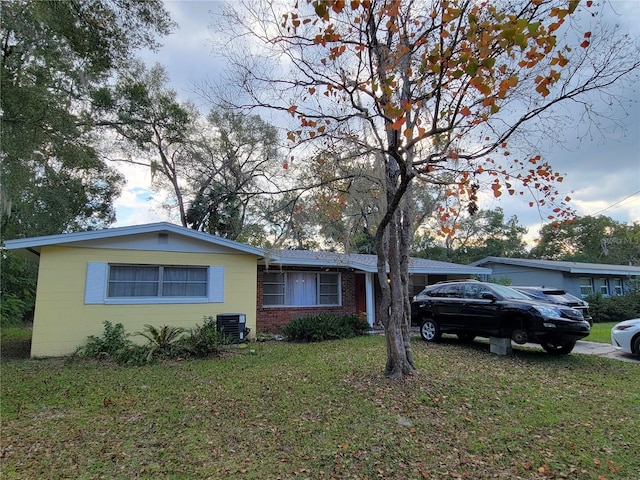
[519, 336]
[429, 330]
[635, 346]
[466, 337]
[557, 348]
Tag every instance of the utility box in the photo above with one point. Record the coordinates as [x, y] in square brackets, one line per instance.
[232, 326]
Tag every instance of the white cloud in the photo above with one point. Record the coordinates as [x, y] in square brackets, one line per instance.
[138, 204]
[599, 172]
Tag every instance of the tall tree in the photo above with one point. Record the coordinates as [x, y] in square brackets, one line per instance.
[473, 237]
[212, 168]
[430, 87]
[237, 160]
[53, 178]
[158, 127]
[589, 239]
[54, 54]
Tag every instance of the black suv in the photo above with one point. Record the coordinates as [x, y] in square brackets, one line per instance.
[558, 296]
[475, 309]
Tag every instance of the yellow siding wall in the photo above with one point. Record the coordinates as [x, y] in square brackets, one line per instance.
[63, 322]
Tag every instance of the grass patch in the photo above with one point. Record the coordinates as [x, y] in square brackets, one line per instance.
[321, 411]
[600, 332]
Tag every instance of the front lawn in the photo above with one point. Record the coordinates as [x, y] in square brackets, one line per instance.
[600, 332]
[321, 411]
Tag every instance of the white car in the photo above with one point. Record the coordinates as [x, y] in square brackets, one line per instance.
[625, 336]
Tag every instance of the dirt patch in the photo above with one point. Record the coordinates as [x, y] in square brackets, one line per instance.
[15, 349]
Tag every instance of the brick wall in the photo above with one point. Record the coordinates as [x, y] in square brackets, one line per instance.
[273, 319]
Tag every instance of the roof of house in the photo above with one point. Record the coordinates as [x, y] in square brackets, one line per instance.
[34, 244]
[362, 262]
[569, 267]
[366, 263]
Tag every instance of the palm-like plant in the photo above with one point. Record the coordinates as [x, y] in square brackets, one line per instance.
[161, 339]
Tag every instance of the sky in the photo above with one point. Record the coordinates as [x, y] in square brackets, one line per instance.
[601, 175]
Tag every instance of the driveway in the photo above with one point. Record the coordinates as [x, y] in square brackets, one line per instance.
[600, 349]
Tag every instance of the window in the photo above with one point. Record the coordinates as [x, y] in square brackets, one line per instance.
[156, 281]
[448, 291]
[586, 288]
[300, 288]
[146, 284]
[601, 287]
[474, 291]
[616, 286]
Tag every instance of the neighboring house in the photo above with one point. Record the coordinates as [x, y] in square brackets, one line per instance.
[164, 274]
[578, 279]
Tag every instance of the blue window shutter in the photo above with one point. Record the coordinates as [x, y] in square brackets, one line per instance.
[95, 286]
[216, 284]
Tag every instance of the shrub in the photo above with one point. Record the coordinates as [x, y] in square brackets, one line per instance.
[317, 328]
[17, 289]
[201, 341]
[12, 310]
[113, 342]
[161, 340]
[614, 309]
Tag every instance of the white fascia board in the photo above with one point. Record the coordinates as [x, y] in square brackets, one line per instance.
[374, 269]
[70, 238]
[604, 271]
[451, 271]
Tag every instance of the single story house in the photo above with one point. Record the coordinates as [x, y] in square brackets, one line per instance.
[164, 274]
[576, 278]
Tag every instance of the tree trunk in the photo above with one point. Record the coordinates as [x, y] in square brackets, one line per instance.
[392, 245]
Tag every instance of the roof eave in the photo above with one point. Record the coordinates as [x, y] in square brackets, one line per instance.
[66, 239]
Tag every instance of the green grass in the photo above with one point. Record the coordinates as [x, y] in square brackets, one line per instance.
[322, 411]
[600, 332]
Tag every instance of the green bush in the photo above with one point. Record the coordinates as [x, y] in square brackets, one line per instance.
[17, 289]
[135, 355]
[202, 341]
[317, 328]
[614, 309]
[113, 342]
[12, 310]
[161, 340]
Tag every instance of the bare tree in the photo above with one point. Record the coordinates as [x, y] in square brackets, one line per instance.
[430, 89]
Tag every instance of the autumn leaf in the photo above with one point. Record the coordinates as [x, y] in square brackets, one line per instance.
[465, 112]
[338, 6]
[292, 109]
[397, 125]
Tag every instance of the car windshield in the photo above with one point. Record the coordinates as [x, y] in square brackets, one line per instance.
[508, 292]
[564, 298]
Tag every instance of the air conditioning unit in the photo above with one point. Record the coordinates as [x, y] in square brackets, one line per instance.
[232, 326]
